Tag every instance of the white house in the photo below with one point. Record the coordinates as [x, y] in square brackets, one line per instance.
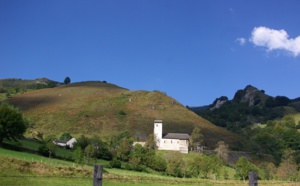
[69, 144]
[170, 141]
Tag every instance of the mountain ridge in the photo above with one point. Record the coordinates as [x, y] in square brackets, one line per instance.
[249, 106]
[248, 95]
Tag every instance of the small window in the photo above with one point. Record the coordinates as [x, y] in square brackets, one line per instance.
[156, 125]
[164, 141]
[171, 141]
[177, 141]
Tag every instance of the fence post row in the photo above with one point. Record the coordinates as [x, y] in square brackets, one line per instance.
[97, 177]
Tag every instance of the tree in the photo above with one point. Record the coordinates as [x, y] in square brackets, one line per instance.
[196, 139]
[243, 167]
[158, 163]
[114, 141]
[282, 101]
[267, 170]
[78, 155]
[271, 168]
[175, 164]
[66, 136]
[11, 124]
[48, 148]
[288, 166]
[196, 166]
[203, 165]
[216, 165]
[222, 150]
[136, 155]
[146, 156]
[82, 142]
[270, 102]
[101, 148]
[151, 142]
[67, 80]
[89, 154]
[124, 149]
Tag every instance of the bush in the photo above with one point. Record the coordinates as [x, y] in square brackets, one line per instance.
[115, 163]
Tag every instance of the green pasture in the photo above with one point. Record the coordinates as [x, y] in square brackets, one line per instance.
[34, 158]
[112, 177]
[33, 145]
[52, 181]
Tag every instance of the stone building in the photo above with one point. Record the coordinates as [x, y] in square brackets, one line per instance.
[170, 141]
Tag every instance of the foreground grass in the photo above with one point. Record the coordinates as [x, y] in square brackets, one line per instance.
[18, 168]
[50, 181]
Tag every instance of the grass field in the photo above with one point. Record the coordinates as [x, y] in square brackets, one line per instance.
[54, 181]
[19, 168]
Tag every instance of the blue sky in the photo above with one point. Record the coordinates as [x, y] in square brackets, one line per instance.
[195, 51]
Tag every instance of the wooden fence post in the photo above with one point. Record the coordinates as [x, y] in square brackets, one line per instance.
[253, 178]
[97, 178]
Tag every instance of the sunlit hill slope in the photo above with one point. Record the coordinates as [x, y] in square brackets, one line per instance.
[103, 109]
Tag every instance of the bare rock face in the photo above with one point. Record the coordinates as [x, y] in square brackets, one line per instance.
[251, 95]
[251, 92]
[219, 102]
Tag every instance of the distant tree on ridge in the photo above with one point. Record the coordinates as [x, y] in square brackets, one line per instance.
[67, 80]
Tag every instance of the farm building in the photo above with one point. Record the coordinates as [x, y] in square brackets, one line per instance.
[67, 144]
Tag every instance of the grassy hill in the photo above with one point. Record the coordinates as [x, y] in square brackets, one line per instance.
[26, 84]
[103, 109]
[13, 86]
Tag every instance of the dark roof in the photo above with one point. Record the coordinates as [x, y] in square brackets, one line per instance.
[176, 136]
[60, 141]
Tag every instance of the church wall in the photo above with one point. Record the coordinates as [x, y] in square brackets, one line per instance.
[168, 144]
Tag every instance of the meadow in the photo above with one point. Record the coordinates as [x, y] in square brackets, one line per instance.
[21, 168]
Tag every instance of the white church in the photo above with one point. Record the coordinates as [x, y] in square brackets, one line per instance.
[170, 141]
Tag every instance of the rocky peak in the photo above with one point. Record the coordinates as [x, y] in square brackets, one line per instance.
[250, 88]
[249, 94]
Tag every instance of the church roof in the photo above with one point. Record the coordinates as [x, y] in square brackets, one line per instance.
[176, 136]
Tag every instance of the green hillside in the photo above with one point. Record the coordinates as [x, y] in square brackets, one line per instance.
[14, 83]
[13, 86]
[103, 109]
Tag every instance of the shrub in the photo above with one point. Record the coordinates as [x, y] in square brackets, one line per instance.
[115, 163]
